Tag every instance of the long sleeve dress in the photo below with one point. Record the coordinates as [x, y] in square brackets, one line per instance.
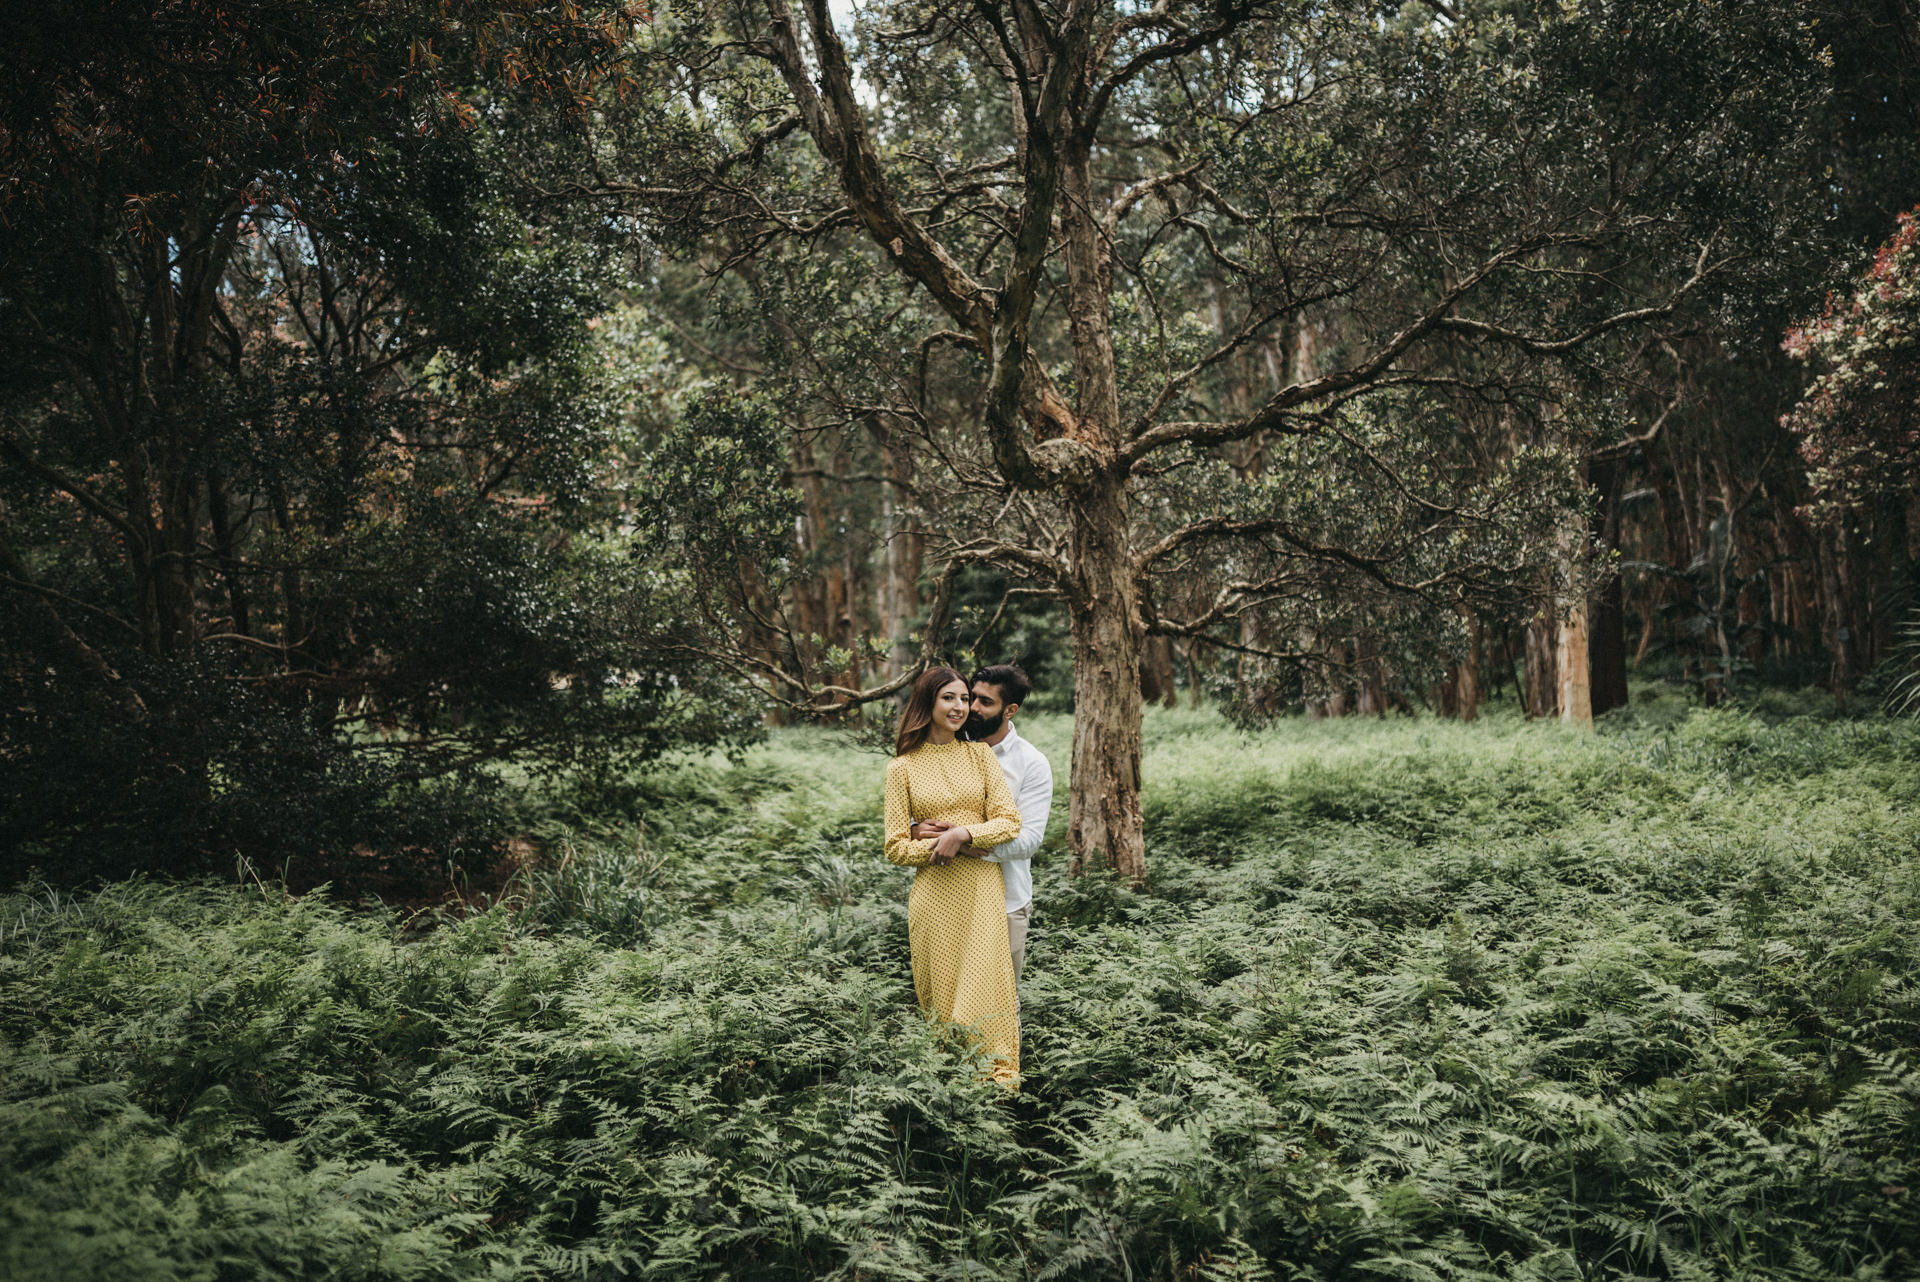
[957, 912]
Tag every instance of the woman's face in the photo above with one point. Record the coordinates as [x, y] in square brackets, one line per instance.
[951, 705]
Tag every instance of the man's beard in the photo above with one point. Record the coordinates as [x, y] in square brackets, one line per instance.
[978, 728]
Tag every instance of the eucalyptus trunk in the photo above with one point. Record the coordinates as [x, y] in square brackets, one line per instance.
[1104, 824]
[1574, 694]
[1606, 605]
[1542, 677]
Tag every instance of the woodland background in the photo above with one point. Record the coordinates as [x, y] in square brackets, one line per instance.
[398, 391]
[474, 475]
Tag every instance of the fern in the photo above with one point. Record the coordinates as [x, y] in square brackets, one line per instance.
[1489, 1002]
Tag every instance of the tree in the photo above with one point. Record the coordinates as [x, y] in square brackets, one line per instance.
[1858, 430]
[1859, 422]
[302, 448]
[1724, 581]
[1093, 246]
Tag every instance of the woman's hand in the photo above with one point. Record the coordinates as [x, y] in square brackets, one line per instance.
[950, 843]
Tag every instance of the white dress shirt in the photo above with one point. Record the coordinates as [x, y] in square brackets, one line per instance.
[1030, 780]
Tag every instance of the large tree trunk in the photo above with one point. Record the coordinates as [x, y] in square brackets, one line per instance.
[1607, 646]
[1104, 824]
[1541, 655]
[1574, 700]
[1103, 602]
[1607, 607]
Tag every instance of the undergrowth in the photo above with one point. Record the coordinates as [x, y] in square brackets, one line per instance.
[1399, 1000]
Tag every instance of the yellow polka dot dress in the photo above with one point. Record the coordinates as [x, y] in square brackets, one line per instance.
[957, 913]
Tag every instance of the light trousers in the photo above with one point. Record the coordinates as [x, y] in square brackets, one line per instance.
[1017, 937]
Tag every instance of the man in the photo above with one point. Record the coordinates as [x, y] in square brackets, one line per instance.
[997, 695]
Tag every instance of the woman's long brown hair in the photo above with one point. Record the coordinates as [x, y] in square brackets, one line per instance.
[916, 719]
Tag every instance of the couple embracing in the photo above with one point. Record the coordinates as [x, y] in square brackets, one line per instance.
[967, 801]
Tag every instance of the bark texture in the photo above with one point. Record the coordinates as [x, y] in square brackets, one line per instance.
[1542, 679]
[1606, 606]
[1104, 822]
[1574, 701]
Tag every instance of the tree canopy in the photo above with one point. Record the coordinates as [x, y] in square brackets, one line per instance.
[1228, 323]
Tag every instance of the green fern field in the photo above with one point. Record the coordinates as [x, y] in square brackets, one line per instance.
[1401, 1000]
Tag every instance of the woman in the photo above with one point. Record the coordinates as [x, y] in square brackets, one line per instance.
[957, 911]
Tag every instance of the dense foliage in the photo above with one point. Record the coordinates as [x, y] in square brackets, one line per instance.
[1858, 431]
[1399, 1000]
[305, 507]
[1278, 333]
[1859, 425]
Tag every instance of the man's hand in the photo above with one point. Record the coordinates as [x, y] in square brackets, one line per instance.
[926, 829]
[950, 843]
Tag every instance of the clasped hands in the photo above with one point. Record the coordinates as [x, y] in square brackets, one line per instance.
[949, 840]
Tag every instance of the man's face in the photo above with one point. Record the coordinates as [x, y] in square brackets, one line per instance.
[989, 712]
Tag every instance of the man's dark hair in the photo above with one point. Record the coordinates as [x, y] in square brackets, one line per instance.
[1013, 683]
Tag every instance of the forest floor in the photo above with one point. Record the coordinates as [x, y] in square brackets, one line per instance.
[1401, 999]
